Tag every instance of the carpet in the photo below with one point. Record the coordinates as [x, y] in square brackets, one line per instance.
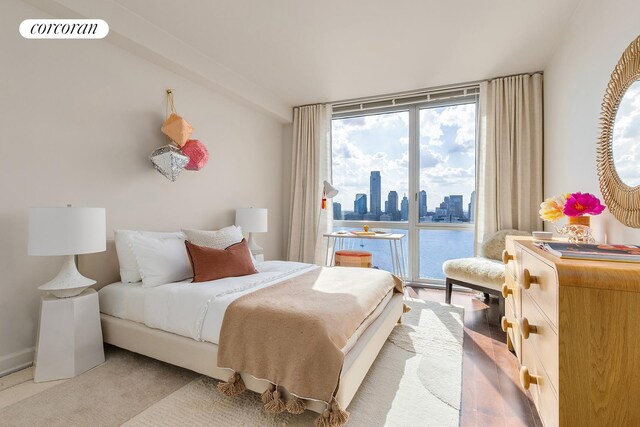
[416, 380]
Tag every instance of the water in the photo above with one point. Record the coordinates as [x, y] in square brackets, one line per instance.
[436, 247]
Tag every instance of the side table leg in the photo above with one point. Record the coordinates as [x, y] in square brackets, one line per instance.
[393, 261]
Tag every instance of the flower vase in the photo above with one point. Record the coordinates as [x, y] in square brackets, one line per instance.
[578, 229]
[584, 220]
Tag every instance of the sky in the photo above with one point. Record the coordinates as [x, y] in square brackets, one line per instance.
[381, 142]
[626, 137]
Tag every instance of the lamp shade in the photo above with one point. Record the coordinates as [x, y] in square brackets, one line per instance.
[252, 220]
[329, 190]
[66, 231]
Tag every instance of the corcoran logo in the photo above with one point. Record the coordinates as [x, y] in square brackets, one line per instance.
[64, 29]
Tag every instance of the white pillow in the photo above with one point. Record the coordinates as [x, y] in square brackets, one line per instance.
[129, 272]
[216, 239]
[160, 261]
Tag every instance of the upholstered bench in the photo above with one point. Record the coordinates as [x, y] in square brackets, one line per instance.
[347, 258]
[483, 273]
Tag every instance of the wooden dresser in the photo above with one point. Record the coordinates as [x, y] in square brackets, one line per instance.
[575, 328]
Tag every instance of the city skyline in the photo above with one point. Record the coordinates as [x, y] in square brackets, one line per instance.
[451, 209]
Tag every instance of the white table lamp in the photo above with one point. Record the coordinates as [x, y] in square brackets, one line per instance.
[66, 231]
[252, 220]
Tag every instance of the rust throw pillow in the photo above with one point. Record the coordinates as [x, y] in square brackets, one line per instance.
[212, 264]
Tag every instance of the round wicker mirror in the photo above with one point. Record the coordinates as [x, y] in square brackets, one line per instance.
[618, 146]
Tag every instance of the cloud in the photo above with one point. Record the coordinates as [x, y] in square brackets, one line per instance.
[343, 151]
[626, 137]
[380, 142]
[444, 180]
[372, 121]
[437, 125]
[354, 122]
[353, 163]
[429, 158]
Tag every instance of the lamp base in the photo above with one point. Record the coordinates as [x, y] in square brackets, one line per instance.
[253, 246]
[69, 282]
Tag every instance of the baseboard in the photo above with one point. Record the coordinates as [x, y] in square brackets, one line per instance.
[15, 361]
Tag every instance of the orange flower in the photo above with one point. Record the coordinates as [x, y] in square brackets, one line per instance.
[552, 208]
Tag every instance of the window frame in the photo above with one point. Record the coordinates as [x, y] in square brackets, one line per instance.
[413, 226]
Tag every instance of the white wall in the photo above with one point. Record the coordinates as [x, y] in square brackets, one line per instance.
[78, 120]
[575, 82]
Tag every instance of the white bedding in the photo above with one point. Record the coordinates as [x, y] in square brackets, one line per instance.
[123, 300]
[193, 310]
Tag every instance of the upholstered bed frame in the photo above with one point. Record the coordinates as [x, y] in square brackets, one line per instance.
[201, 356]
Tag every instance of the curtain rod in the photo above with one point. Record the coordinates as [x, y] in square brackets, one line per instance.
[417, 91]
[515, 75]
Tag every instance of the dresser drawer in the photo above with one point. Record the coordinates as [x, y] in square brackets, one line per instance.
[539, 281]
[539, 336]
[513, 298]
[542, 393]
[511, 266]
[514, 330]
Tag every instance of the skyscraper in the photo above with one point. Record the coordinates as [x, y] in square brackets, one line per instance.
[392, 202]
[472, 206]
[337, 211]
[423, 203]
[391, 206]
[455, 206]
[446, 205]
[404, 208]
[360, 204]
[375, 193]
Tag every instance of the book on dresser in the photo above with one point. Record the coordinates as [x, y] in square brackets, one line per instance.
[599, 252]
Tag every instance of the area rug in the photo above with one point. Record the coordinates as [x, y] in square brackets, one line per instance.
[416, 380]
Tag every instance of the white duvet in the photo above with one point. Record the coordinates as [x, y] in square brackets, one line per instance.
[196, 310]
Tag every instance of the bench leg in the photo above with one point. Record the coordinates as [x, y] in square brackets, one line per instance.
[500, 307]
[448, 290]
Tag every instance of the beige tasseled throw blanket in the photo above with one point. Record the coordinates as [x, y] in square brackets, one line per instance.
[293, 333]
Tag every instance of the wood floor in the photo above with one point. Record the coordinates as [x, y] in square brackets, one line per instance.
[491, 391]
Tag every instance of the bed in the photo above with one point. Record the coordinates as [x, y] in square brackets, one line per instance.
[180, 323]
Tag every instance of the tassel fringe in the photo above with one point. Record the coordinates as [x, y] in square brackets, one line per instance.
[233, 387]
[324, 420]
[296, 406]
[276, 405]
[333, 416]
[267, 395]
[406, 308]
[338, 417]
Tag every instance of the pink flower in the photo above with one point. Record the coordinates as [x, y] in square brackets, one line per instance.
[579, 204]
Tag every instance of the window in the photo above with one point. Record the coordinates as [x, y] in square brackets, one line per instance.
[447, 185]
[370, 166]
[409, 169]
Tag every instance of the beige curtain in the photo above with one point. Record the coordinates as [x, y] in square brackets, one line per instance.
[311, 166]
[509, 169]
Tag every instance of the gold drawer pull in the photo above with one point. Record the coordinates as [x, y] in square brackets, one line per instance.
[527, 279]
[505, 324]
[506, 257]
[506, 291]
[527, 379]
[526, 328]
